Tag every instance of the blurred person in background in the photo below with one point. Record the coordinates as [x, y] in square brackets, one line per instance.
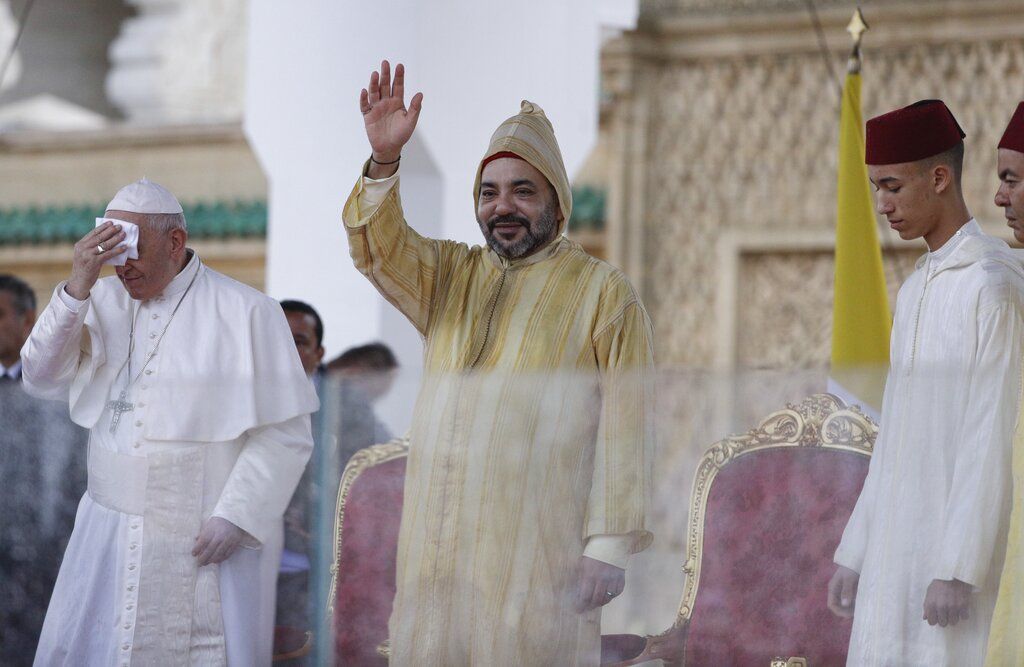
[354, 381]
[198, 414]
[367, 373]
[293, 602]
[17, 315]
[42, 478]
[920, 558]
[527, 480]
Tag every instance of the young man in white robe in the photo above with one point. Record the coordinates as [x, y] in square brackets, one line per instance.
[198, 411]
[919, 562]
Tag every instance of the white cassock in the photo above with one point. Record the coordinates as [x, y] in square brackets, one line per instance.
[935, 503]
[219, 427]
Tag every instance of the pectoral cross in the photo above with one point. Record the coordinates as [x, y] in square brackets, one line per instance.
[119, 407]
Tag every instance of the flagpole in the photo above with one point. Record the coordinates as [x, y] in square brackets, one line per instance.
[857, 27]
[861, 319]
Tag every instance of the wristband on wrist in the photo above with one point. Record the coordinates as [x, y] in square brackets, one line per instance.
[384, 164]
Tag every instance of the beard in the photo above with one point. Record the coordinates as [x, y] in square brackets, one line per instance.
[538, 233]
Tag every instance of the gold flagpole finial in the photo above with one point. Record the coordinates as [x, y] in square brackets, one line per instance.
[857, 27]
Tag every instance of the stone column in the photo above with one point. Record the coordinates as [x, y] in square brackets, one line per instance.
[180, 62]
[8, 31]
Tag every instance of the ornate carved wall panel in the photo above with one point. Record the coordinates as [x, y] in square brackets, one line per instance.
[785, 307]
[784, 302]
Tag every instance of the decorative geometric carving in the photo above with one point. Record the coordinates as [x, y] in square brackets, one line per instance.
[785, 306]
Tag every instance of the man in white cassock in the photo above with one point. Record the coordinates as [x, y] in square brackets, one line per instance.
[920, 559]
[198, 411]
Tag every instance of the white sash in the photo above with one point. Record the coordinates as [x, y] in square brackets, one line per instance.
[178, 620]
[117, 481]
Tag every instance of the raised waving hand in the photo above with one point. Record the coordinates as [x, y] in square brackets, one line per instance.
[389, 124]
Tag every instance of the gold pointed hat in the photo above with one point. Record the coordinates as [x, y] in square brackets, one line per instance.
[530, 136]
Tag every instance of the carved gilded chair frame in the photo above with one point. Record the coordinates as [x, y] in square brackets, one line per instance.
[361, 461]
[821, 421]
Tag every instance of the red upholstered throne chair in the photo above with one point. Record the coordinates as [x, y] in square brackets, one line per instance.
[365, 544]
[768, 509]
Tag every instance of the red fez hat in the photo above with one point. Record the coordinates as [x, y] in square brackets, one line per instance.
[913, 133]
[1013, 137]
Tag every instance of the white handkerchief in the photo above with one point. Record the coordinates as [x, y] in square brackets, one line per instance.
[131, 239]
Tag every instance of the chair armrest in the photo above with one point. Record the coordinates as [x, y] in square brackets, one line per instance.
[291, 643]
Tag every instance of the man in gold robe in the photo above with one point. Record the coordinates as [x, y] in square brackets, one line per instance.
[527, 481]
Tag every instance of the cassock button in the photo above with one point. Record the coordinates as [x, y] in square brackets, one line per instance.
[131, 587]
[155, 316]
[133, 547]
[149, 371]
[138, 423]
[130, 607]
[127, 626]
[131, 567]
[152, 335]
[137, 445]
[125, 647]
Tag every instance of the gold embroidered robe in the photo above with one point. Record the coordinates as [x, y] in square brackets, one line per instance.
[531, 434]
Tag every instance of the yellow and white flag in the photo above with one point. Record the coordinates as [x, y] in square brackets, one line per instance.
[861, 319]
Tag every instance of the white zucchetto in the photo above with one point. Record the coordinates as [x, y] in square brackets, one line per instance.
[144, 197]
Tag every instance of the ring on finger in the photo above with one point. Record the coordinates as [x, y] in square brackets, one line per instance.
[610, 594]
[100, 249]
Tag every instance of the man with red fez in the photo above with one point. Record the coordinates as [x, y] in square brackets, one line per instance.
[1006, 641]
[527, 481]
[920, 560]
[1010, 195]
